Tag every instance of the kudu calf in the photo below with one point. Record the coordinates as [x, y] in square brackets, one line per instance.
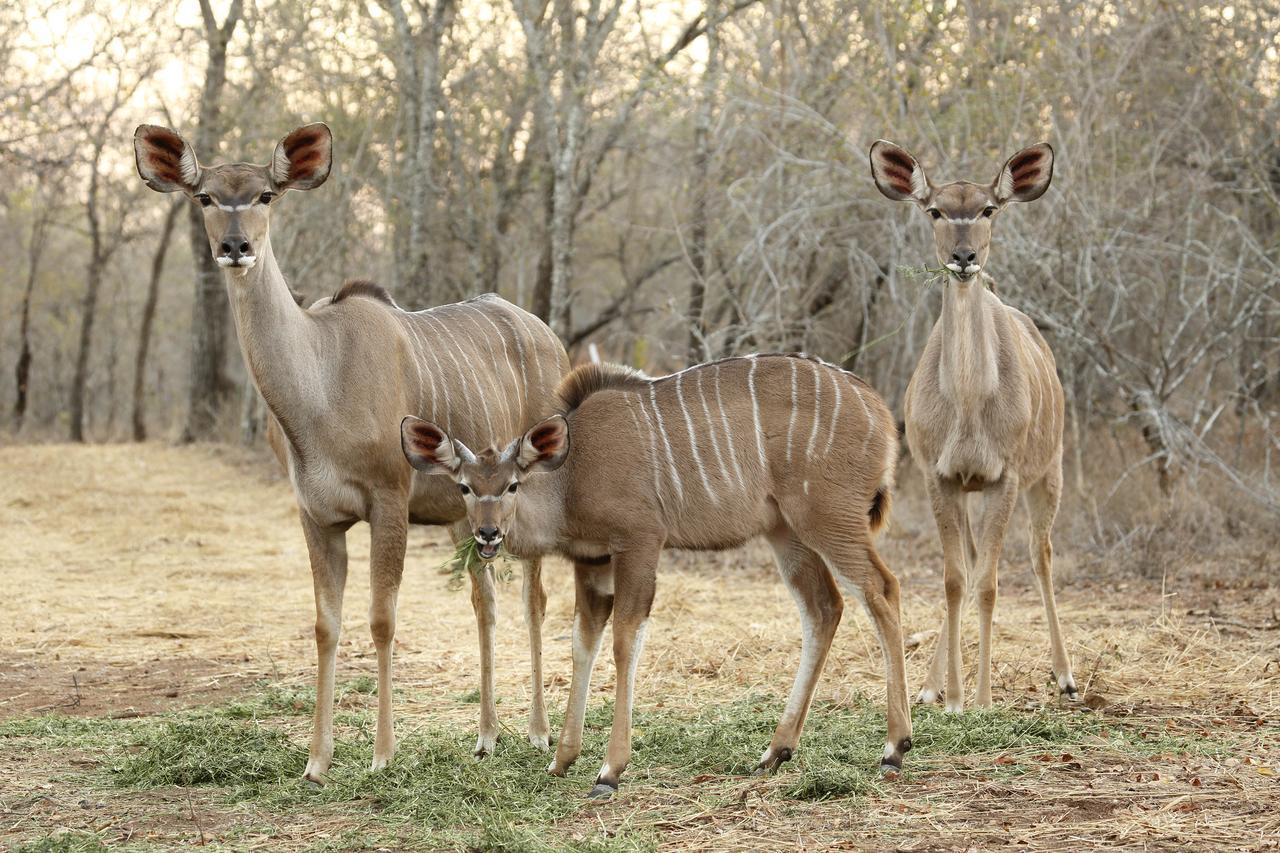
[337, 379]
[785, 446]
[984, 409]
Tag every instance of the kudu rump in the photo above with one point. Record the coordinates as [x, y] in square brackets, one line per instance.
[984, 409]
[707, 458]
[337, 379]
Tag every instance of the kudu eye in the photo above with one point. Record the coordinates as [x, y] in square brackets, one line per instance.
[934, 213]
[511, 490]
[989, 211]
[267, 197]
[204, 199]
[464, 488]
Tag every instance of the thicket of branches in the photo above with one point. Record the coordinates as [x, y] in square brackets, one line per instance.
[670, 181]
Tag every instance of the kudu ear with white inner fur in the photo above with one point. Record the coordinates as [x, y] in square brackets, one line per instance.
[302, 159]
[545, 446]
[1026, 175]
[897, 174]
[427, 447]
[166, 162]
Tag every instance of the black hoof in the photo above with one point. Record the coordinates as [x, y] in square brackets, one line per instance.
[771, 765]
[889, 771]
[311, 784]
[1070, 692]
[602, 791]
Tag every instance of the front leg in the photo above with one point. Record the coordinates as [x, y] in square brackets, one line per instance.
[389, 529]
[484, 600]
[1000, 501]
[947, 503]
[535, 611]
[592, 604]
[634, 577]
[327, 547]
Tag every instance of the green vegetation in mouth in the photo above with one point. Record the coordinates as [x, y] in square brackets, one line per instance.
[466, 560]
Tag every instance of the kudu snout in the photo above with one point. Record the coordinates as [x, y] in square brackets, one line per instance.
[964, 260]
[235, 250]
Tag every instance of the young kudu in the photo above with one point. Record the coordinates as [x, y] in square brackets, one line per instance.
[337, 378]
[984, 409]
[781, 446]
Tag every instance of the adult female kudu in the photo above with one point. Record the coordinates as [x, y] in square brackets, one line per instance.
[984, 409]
[782, 446]
[337, 378]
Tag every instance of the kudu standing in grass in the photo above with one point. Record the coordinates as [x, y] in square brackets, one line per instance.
[781, 446]
[337, 379]
[984, 409]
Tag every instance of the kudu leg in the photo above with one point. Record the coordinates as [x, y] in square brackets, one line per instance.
[535, 611]
[1042, 508]
[389, 531]
[820, 606]
[948, 507]
[593, 602]
[858, 568]
[484, 600]
[327, 547]
[933, 685]
[1000, 502]
[634, 578]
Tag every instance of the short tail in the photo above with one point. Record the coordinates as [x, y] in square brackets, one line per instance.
[878, 515]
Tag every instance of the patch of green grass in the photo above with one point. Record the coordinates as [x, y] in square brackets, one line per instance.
[63, 842]
[210, 750]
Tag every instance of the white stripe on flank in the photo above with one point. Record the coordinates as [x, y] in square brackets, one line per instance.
[866, 439]
[755, 412]
[653, 445]
[693, 443]
[662, 431]
[417, 365]
[835, 413]
[439, 408]
[817, 409]
[524, 375]
[711, 428]
[449, 351]
[728, 433]
[497, 389]
[520, 315]
[791, 423]
[516, 389]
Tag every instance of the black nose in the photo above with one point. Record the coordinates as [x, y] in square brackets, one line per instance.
[235, 247]
[487, 534]
[964, 256]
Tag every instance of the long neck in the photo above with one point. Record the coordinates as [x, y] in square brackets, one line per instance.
[969, 370]
[276, 337]
[540, 517]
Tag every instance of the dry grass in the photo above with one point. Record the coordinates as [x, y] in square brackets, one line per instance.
[161, 597]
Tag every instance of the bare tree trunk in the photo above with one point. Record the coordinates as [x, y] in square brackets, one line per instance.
[93, 283]
[22, 372]
[148, 319]
[542, 286]
[209, 313]
[697, 350]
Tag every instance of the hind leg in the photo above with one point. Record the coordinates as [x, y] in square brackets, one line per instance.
[820, 606]
[858, 569]
[535, 612]
[1042, 508]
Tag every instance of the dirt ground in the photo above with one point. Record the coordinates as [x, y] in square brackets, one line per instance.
[138, 580]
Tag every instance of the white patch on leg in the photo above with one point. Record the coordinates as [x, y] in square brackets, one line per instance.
[928, 696]
[889, 750]
[955, 706]
[551, 768]
[604, 771]
[485, 744]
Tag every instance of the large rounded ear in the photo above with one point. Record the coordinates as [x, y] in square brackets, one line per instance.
[897, 174]
[427, 447]
[1026, 175]
[545, 446]
[165, 161]
[302, 159]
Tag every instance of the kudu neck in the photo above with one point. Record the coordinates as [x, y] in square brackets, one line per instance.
[969, 367]
[540, 516]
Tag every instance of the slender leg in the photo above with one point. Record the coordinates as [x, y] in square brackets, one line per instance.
[327, 547]
[1042, 507]
[948, 505]
[858, 568]
[535, 610]
[389, 528]
[1000, 501]
[484, 600]
[634, 576]
[932, 690]
[820, 607]
[593, 602]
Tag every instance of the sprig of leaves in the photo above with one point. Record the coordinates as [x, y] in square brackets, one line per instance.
[466, 560]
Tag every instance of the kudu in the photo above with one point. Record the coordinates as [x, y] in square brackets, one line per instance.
[337, 378]
[785, 446]
[983, 410]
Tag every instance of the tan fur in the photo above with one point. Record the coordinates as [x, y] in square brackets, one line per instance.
[337, 379]
[984, 415]
[781, 446]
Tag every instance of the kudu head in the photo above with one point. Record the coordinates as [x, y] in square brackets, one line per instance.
[236, 197]
[962, 212]
[489, 481]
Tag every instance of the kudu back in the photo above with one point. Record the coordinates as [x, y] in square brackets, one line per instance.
[782, 446]
[337, 379]
[983, 410]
